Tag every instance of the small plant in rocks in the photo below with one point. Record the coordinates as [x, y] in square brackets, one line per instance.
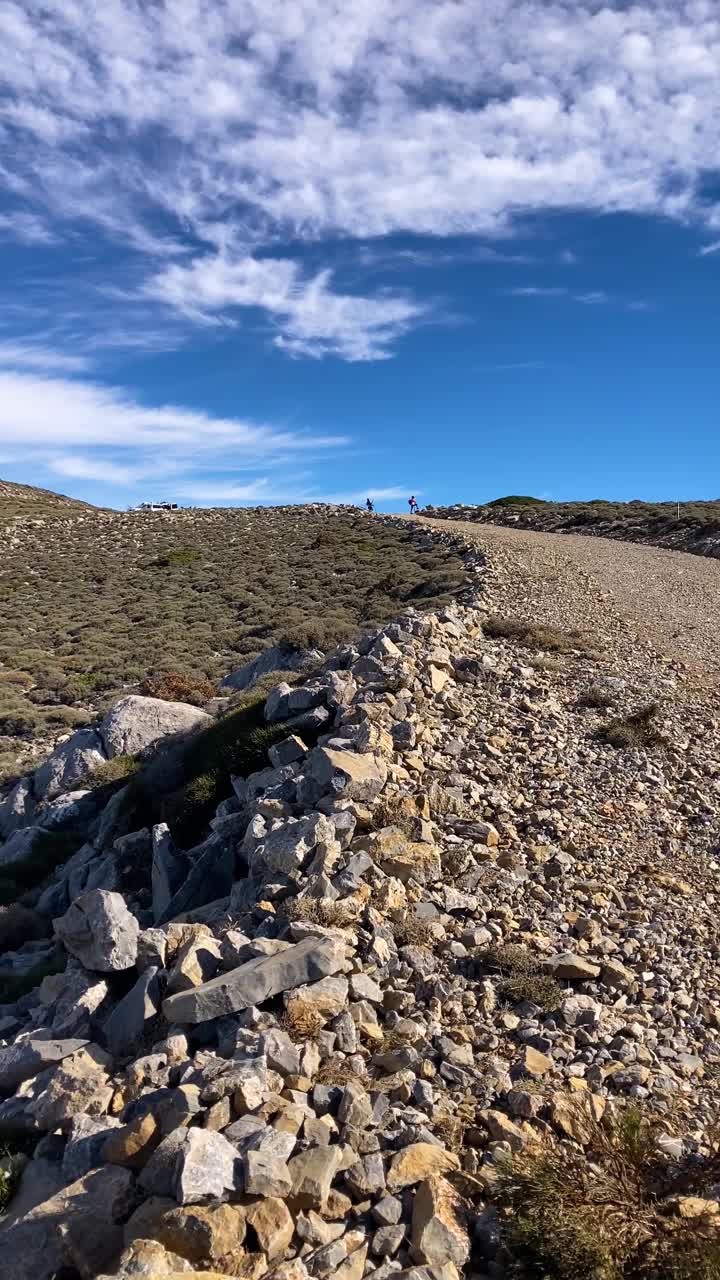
[523, 979]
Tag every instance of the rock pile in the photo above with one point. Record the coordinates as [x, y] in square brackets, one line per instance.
[456, 922]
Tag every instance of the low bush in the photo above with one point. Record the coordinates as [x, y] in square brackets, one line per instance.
[112, 775]
[523, 977]
[609, 1212]
[179, 686]
[516, 500]
[637, 730]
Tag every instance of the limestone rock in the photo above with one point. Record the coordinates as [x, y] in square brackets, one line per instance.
[438, 1232]
[273, 1225]
[571, 968]
[256, 981]
[208, 1168]
[26, 1058]
[354, 776]
[135, 722]
[417, 1162]
[79, 1085]
[69, 763]
[99, 931]
[151, 1259]
[205, 1235]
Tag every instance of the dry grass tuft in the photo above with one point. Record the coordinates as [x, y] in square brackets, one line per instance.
[302, 1021]
[635, 731]
[533, 635]
[322, 911]
[523, 978]
[179, 686]
[412, 931]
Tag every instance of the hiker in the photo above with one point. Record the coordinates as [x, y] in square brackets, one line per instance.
[370, 505]
[412, 505]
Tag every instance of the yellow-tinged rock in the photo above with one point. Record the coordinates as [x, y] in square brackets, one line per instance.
[417, 1162]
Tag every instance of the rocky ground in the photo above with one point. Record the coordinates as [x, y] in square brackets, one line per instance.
[686, 526]
[478, 913]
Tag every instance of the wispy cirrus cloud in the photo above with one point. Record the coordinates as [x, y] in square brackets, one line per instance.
[206, 133]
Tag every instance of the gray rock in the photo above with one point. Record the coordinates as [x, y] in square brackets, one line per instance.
[99, 931]
[287, 751]
[346, 773]
[209, 1168]
[277, 658]
[209, 879]
[85, 1142]
[265, 1164]
[169, 869]
[281, 1052]
[19, 846]
[289, 846]
[129, 1019]
[256, 981]
[159, 1177]
[71, 999]
[79, 1228]
[17, 809]
[312, 1173]
[135, 723]
[72, 809]
[26, 1058]
[80, 755]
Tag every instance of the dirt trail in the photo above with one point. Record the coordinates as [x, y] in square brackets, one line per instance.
[669, 599]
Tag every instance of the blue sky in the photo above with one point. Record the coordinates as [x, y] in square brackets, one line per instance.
[270, 253]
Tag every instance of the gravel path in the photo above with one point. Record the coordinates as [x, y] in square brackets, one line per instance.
[669, 600]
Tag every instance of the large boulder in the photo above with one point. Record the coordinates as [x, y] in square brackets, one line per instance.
[258, 980]
[135, 723]
[80, 755]
[276, 659]
[99, 931]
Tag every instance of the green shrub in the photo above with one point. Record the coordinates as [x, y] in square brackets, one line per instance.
[112, 775]
[608, 1212]
[516, 500]
[177, 558]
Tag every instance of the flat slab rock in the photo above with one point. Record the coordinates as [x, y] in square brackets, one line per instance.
[256, 981]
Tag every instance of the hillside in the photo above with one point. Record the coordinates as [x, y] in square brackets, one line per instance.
[112, 600]
[25, 502]
[696, 529]
[430, 990]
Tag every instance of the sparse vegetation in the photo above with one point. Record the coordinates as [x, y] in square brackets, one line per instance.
[412, 931]
[636, 730]
[85, 614]
[523, 978]
[533, 635]
[610, 1212]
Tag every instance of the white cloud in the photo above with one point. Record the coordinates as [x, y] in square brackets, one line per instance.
[27, 228]
[79, 467]
[240, 124]
[30, 355]
[710, 248]
[312, 319]
[87, 431]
